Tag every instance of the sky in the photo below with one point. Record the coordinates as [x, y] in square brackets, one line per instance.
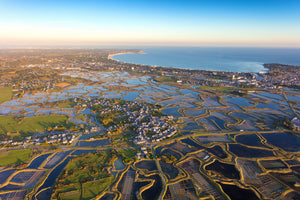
[259, 23]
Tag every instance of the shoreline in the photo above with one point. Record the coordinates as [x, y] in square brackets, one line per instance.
[110, 56]
[265, 65]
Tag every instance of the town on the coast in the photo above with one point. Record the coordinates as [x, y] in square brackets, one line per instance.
[77, 124]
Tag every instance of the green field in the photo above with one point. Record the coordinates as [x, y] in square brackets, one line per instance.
[86, 172]
[128, 154]
[65, 105]
[5, 94]
[14, 157]
[90, 189]
[30, 124]
[87, 167]
[81, 117]
[225, 89]
[70, 195]
[166, 79]
[96, 187]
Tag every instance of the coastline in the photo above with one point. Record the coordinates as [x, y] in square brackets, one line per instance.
[110, 56]
[266, 66]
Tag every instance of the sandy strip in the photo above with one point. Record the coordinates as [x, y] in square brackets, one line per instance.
[110, 56]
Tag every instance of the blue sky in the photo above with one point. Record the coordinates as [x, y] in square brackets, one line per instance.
[164, 22]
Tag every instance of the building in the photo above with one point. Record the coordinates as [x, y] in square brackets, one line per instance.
[296, 124]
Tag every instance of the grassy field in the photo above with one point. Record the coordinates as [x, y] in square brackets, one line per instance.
[30, 124]
[91, 189]
[166, 79]
[128, 154]
[65, 105]
[70, 192]
[14, 156]
[86, 167]
[225, 89]
[5, 94]
[70, 195]
[87, 170]
[81, 117]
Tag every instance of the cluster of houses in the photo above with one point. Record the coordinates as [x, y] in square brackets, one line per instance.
[142, 154]
[149, 128]
[296, 124]
[155, 129]
[159, 129]
[60, 138]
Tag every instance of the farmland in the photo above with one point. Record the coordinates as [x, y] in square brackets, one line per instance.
[5, 94]
[14, 157]
[30, 125]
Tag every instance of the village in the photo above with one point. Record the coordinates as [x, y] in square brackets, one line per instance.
[148, 123]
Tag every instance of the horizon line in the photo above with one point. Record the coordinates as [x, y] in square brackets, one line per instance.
[135, 46]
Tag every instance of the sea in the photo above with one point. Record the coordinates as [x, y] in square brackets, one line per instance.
[233, 59]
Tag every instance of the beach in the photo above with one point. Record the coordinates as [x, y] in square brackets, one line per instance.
[110, 56]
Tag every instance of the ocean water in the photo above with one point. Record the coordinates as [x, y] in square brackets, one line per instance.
[234, 59]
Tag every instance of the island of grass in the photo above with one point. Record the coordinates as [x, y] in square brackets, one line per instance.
[85, 176]
[166, 79]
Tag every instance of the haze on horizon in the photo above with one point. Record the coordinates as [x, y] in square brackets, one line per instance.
[261, 23]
